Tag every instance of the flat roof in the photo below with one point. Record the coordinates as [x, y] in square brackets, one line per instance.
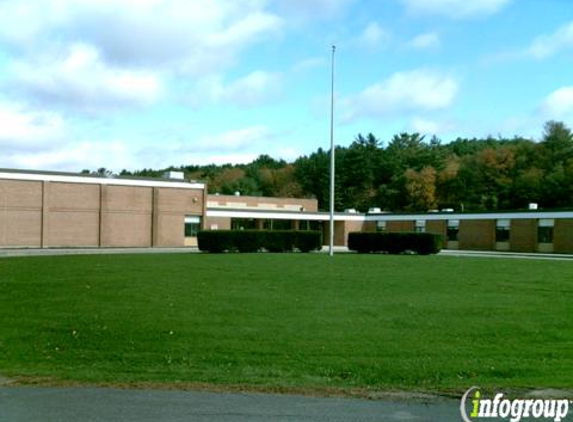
[53, 176]
[340, 216]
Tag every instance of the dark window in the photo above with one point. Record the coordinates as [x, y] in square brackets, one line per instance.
[278, 225]
[545, 234]
[502, 234]
[192, 226]
[453, 234]
[453, 230]
[243, 224]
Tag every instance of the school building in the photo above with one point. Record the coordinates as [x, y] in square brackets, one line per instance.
[56, 210]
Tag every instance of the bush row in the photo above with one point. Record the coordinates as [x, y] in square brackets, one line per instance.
[395, 243]
[218, 241]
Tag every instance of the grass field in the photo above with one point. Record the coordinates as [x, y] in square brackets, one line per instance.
[289, 321]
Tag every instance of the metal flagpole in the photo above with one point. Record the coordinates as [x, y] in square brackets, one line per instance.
[331, 232]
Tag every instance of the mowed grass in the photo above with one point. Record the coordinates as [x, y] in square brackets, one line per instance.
[424, 323]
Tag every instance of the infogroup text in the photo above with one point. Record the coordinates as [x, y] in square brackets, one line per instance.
[474, 407]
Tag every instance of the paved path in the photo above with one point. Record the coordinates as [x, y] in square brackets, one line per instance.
[29, 404]
[6, 253]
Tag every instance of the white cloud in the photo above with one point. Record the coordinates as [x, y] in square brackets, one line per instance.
[252, 90]
[23, 130]
[191, 35]
[309, 64]
[558, 104]
[82, 81]
[234, 140]
[425, 126]
[74, 157]
[425, 41]
[313, 9]
[455, 8]
[546, 46]
[234, 146]
[373, 35]
[417, 90]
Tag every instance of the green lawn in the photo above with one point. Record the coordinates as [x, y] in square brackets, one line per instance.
[424, 323]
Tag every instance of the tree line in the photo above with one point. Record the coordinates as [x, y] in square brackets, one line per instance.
[410, 173]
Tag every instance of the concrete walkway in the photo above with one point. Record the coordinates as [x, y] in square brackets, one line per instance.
[6, 253]
[31, 404]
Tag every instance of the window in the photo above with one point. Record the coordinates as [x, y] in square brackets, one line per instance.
[192, 225]
[453, 230]
[243, 224]
[545, 231]
[420, 226]
[309, 225]
[502, 230]
[380, 226]
[278, 225]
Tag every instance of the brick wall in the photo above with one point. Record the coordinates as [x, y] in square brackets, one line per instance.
[126, 216]
[400, 226]
[292, 204]
[563, 236]
[437, 227]
[71, 214]
[523, 235]
[20, 213]
[477, 235]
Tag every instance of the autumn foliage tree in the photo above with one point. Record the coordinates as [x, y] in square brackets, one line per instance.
[410, 173]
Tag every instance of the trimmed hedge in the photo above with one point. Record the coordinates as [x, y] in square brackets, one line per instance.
[218, 241]
[395, 243]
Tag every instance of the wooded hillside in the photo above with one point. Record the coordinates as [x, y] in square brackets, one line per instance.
[410, 173]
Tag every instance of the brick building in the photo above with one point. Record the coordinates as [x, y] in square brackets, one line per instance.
[47, 209]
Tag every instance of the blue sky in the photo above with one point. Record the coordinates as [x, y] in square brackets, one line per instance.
[150, 83]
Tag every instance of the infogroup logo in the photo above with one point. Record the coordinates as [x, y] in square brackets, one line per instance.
[513, 410]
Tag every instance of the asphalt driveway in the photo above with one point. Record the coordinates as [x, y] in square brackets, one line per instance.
[32, 404]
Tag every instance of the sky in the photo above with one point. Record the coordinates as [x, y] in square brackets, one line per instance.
[133, 84]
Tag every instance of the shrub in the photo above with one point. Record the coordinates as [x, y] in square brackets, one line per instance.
[248, 240]
[218, 241]
[306, 241]
[279, 240]
[395, 243]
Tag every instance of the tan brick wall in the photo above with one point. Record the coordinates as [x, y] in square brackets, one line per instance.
[20, 213]
[72, 229]
[71, 215]
[437, 227]
[126, 216]
[169, 230]
[350, 226]
[72, 196]
[477, 235]
[523, 235]
[369, 226]
[20, 194]
[254, 201]
[400, 226]
[126, 198]
[563, 236]
[20, 228]
[128, 229]
[170, 208]
[222, 223]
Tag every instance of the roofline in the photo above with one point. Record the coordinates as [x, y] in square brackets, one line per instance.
[290, 198]
[28, 175]
[324, 216]
[282, 215]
